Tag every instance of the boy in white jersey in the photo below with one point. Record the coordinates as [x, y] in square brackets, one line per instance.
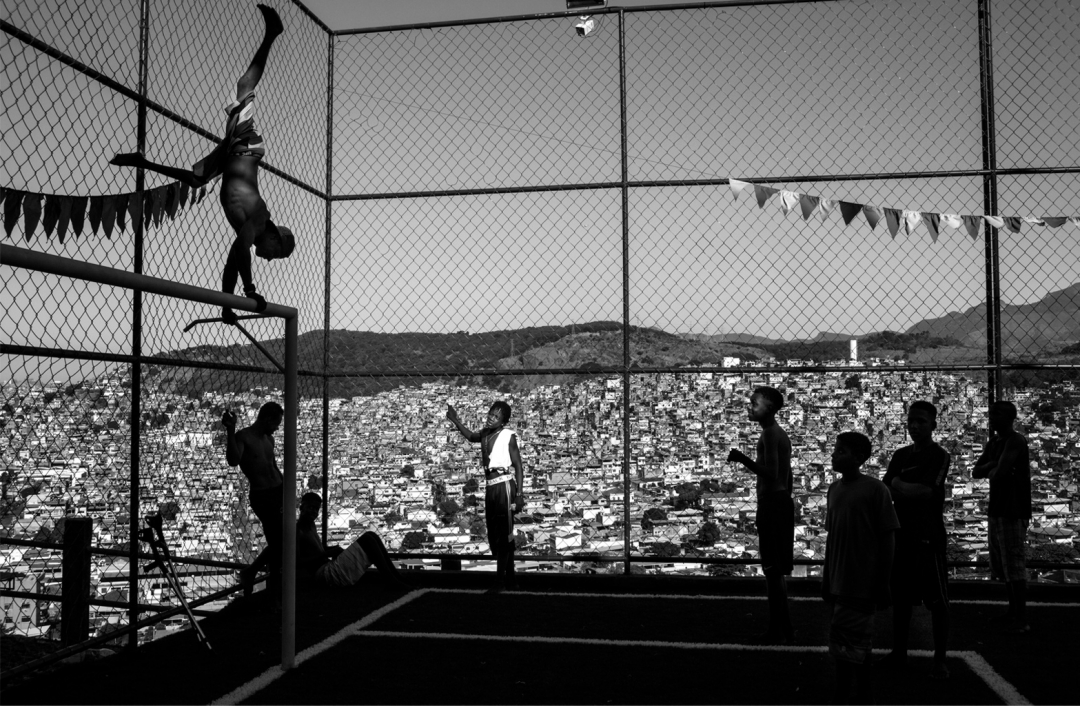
[505, 476]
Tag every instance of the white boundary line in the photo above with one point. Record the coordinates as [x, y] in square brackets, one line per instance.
[270, 675]
[1005, 690]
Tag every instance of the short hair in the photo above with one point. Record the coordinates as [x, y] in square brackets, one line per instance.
[854, 441]
[924, 406]
[270, 408]
[772, 396]
[1008, 407]
[313, 497]
[288, 241]
[503, 407]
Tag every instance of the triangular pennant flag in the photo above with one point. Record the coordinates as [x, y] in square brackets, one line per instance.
[995, 221]
[1013, 223]
[110, 210]
[972, 224]
[184, 189]
[849, 211]
[911, 220]
[788, 201]
[1054, 221]
[134, 210]
[147, 209]
[95, 213]
[65, 217]
[932, 221]
[122, 201]
[873, 215]
[952, 220]
[738, 187]
[892, 218]
[1034, 221]
[31, 214]
[1075, 220]
[51, 213]
[825, 207]
[78, 214]
[809, 205]
[202, 194]
[12, 208]
[763, 194]
[159, 197]
[172, 200]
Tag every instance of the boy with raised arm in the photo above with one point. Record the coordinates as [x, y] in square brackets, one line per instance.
[916, 479]
[776, 509]
[236, 160]
[1006, 462]
[505, 477]
[860, 522]
[252, 449]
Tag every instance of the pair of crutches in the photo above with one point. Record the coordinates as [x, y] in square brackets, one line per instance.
[154, 536]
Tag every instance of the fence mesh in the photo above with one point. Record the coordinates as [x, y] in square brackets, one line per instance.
[480, 247]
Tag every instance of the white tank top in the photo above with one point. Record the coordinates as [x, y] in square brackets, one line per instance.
[500, 450]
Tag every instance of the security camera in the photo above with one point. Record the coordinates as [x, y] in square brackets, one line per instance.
[586, 27]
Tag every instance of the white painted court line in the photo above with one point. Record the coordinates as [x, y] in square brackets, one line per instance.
[1005, 690]
[270, 675]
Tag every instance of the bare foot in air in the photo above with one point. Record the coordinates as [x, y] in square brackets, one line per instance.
[273, 20]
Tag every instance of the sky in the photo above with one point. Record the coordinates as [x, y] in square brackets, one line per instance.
[819, 88]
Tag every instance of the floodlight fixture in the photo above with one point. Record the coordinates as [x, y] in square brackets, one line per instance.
[586, 26]
[583, 4]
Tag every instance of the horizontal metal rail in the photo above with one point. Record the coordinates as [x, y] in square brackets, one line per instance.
[68, 353]
[58, 598]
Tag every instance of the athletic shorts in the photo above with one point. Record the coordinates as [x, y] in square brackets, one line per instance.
[851, 633]
[1007, 546]
[240, 138]
[919, 574]
[348, 568]
[776, 532]
[499, 510]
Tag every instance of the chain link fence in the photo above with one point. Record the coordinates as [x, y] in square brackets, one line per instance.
[621, 234]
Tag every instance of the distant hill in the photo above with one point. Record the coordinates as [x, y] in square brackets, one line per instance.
[1050, 324]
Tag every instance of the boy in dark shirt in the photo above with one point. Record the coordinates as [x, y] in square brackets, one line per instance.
[338, 566]
[860, 522]
[916, 479]
[1006, 462]
[504, 476]
[776, 509]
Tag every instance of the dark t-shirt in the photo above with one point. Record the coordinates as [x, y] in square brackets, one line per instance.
[858, 512]
[1010, 489]
[920, 518]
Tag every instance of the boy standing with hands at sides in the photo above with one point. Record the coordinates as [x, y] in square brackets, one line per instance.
[860, 521]
[1006, 462]
[504, 476]
[776, 509]
[916, 479]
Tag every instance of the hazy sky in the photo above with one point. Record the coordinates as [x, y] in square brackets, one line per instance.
[808, 89]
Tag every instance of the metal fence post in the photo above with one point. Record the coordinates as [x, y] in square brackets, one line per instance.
[626, 292]
[75, 584]
[326, 290]
[136, 339]
[989, 156]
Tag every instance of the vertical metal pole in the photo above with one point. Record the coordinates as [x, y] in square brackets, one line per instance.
[75, 581]
[136, 339]
[990, 205]
[288, 517]
[626, 293]
[326, 293]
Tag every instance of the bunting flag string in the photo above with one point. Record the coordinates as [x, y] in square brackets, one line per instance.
[809, 204]
[71, 214]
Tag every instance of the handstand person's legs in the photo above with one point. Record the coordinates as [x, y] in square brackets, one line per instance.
[253, 75]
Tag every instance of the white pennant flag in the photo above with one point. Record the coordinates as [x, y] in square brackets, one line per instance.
[952, 220]
[788, 201]
[825, 206]
[995, 221]
[1034, 221]
[911, 220]
[738, 187]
